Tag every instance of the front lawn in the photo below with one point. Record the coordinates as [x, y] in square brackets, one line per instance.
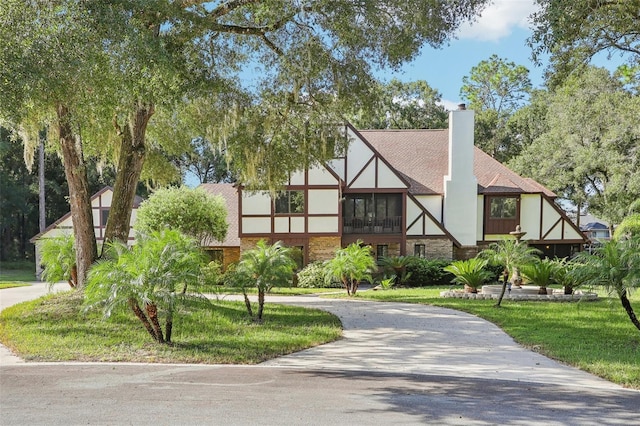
[597, 337]
[54, 328]
[17, 271]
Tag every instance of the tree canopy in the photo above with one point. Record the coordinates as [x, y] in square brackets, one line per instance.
[574, 31]
[588, 151]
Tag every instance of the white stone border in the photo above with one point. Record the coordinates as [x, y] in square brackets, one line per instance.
[524, 297]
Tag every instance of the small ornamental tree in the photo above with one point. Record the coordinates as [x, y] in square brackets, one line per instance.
[351, 265]
[616, 267]
[266, 266]
[192, 211]
[150, 279]
[510, 254]
[58, 257]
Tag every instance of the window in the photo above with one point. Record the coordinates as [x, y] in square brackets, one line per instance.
[382, 250]
[503, 208]
[502, 214]
[420, 250]
[216, 255]
[289, 202]
[104, 216]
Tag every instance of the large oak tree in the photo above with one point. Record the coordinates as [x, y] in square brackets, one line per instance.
[98, 71]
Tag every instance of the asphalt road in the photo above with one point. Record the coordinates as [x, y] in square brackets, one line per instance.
[397, 364]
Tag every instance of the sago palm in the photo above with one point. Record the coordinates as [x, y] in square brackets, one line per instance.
[540, 273]
[469, 272]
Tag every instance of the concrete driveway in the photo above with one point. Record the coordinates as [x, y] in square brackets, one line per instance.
[397, 364]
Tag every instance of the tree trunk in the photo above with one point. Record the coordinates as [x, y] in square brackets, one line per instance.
[568, 289]
[152, 312]
[627, 307]
[73, 278]
[260, 303]
[130, 162]
[169, 326]
[79, 197]
[42, 222]
[505, 280]
[247, 303]
[142, 317]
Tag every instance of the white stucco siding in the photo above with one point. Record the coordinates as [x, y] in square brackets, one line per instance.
[323, 224]
[281, 225]
[297, 225]
[571, 234]
[480, 218]
[530, 215]
[367, 178]
[358, 155]
[550, 220]
[103, 200]
[431, 228]
[433, 204]
[256, 225]
[387, 178]
[337, 165]
[297, 178]
[321, 176]
[323, 201]
[256, 203]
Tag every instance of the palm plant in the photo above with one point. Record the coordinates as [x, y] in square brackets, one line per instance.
[511, 255]
[397, 265]
[351, 265]
[58, 256]
[540, 273]
[266, 266]
[469, 272]
[150, 279]
[564, 274]
[616, 267]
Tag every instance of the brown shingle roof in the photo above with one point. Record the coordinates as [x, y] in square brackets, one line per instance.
[422, 157]
[230, 194]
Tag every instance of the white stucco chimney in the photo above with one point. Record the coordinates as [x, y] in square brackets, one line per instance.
[460, 184]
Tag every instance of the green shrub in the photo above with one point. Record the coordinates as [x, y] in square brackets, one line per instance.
[210, 277]
[428, 272]
[313, 276]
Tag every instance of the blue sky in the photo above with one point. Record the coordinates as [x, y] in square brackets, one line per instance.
[502, 29]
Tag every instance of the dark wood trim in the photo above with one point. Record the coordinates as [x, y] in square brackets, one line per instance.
[374, 191]
[552, 228]
[427, 237]
[433, 219]
[563, 215]
[373, 157]
[420, 216]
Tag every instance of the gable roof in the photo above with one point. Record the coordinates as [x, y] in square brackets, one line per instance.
[422, 157]
[229, 193]
[136, 203]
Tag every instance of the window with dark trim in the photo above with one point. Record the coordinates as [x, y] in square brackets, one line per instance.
[287, 202]
[382, 250]
[503, 208]
[216, 255]
[104, 216]
[420, 250]
[502, 214]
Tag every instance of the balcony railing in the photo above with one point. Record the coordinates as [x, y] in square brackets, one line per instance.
[372, 225]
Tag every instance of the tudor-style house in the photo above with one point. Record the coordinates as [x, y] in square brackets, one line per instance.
[428, 193]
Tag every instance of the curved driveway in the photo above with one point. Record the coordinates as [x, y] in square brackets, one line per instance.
[397, 364]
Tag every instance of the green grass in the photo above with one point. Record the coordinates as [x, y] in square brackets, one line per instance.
[11, 284]
[597, 337]
[17, 271]
[53, 328]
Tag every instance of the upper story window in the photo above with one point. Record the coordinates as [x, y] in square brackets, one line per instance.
[503, 208]
[288, 202]
[502, 214]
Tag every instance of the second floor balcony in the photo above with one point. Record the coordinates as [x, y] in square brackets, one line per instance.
[372, 225]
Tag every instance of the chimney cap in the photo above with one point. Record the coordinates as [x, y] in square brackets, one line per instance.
[462, 107]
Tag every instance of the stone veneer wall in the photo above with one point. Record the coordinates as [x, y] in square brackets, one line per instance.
[464, 253]
[435, 248]
[323, 248]
[249, 243]
[230, 255]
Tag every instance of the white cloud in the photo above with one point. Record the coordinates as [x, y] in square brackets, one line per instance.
[499, 19]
